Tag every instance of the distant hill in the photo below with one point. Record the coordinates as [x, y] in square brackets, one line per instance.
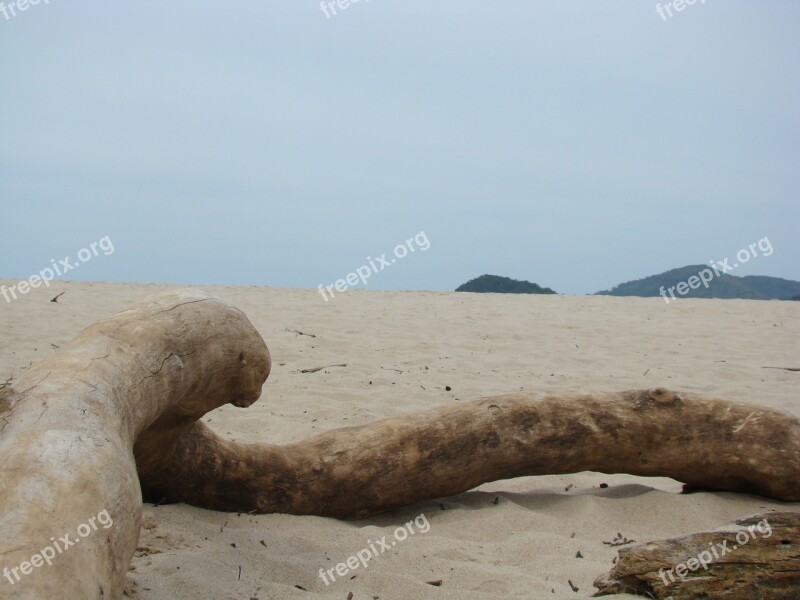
[502, 285]
[752, 287]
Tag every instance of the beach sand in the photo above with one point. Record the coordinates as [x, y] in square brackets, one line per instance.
[508, 539]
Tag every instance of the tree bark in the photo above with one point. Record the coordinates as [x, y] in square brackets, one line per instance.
[356, 471]
[125, 397]
[755, 558]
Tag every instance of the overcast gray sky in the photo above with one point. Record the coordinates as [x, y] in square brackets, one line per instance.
[574, 144]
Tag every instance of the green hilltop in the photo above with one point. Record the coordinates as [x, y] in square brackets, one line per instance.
[752, 287]
[495, 284]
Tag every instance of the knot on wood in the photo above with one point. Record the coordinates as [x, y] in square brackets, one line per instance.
[654, 398]
[663, 396]
[8, 398]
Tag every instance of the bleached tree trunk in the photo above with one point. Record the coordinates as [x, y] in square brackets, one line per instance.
[69, 424]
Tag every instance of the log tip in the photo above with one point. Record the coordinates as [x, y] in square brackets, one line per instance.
[8, 398]
[607, 585]
[258, 365]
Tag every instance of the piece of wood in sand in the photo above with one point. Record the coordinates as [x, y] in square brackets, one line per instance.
[754, 558]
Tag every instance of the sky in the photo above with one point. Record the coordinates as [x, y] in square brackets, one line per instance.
[577, 145]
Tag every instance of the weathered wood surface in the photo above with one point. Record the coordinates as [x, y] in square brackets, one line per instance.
[754, 558]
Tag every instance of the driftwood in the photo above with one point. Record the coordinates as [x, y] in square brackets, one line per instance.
[69, 424]
[755, 558]
[120, 405]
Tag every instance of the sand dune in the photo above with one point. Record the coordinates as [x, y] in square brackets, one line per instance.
[402, 350]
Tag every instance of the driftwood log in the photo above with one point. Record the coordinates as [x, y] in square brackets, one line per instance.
[756, 557]
[114, 414]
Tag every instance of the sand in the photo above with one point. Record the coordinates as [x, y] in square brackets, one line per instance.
[508, 539]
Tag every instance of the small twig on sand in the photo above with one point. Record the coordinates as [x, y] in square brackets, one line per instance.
[320, 368]
[298, 332]
[57, 297]
[620, 540]
[783, 368]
